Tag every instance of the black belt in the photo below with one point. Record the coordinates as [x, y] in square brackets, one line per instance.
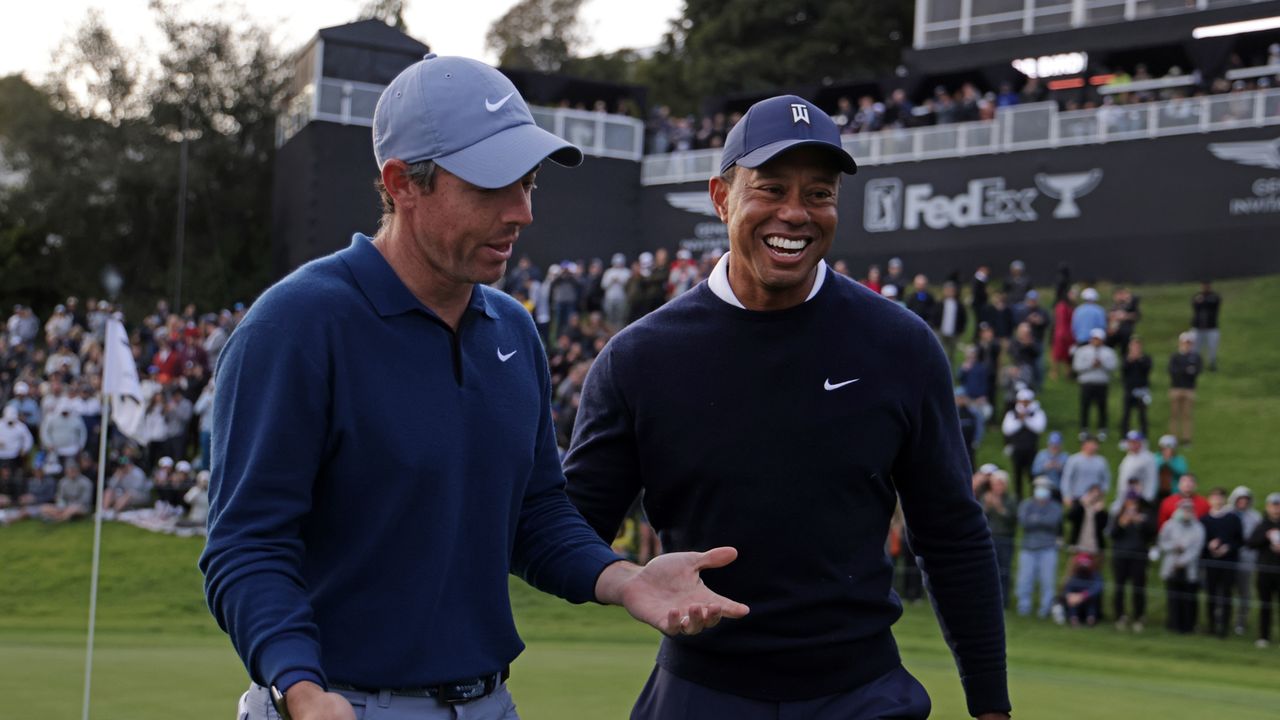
[457, 691]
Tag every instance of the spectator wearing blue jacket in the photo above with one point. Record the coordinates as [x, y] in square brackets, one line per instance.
[1088, 316]
[1040, 516]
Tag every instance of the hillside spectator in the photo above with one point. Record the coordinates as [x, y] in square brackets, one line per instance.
[1050, 462]
[1181, 541]
[1031, 313]
[12, 488]
[1139, 464]
[971, 424]
[58, 326]
[62, 363]
[1184, 367]
[1024, 354]
[1022, 427]
[1132, 529]
[42, 489]
[566, 291]
[1082, 592]
[1170, 465]
[15, 440]
[74, 498]
[1265, 538]
[646, 289]
[154, 431]
[1204, 321]
[1088, 317]
[890, 293]
[1040, 516]
[1001, 509]
[592, 298]
[1087, 520]
[684, 274]
[27, 406]
[999, 316]
[203, 408]
[63, 433]
[127, 488]
[989, 350]
[1224, 535]
[1017, 284]
[873, 279]
[921, 301]
[1123, 318]
[1063, 338]
[1084, 471]
[978, 295]
[1241, 501]
[896, 276]
[949, 318]
[1186, 493]
[975, 378]
[614, 283]
[1094, 364]
[1136, 380]
[23, 326]
[542, 307]
[196, 500]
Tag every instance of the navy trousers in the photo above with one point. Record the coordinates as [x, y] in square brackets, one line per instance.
[896, 695]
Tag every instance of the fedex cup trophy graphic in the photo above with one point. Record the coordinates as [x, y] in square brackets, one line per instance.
[1066, 188]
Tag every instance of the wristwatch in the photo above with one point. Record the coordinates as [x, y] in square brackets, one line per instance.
[282, 707]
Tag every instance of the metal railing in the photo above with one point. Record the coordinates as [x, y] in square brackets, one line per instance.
[940, 23]
[1034, 126]
[352, 103]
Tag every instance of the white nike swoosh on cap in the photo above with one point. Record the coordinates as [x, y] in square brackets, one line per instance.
[827, 385]
[493, 107]
[507, 356]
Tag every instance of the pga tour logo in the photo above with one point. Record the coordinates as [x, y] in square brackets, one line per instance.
[889, 205]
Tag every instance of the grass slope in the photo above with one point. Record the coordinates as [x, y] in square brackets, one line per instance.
[160, 653]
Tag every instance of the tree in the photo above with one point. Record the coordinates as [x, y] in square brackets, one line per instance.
[390, 12]
[537, 34]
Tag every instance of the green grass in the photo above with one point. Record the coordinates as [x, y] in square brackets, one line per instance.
[160, 654]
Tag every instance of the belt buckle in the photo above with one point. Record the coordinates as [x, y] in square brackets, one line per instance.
[454, 693]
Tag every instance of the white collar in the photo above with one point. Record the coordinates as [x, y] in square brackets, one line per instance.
[719, 282]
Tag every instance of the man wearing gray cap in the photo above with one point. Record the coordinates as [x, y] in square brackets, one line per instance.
[800, 407]
[383, 450]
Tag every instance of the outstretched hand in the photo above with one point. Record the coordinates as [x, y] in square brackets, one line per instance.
[668, 593]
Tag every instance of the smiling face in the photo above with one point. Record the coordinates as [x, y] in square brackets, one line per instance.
[781, 218]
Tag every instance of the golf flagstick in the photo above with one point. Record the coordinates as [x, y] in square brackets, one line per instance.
[97, 551]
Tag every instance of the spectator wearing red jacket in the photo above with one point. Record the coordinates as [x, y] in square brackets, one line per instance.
[1186, 491]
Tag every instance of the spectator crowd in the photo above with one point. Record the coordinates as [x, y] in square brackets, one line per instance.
[1004, 343]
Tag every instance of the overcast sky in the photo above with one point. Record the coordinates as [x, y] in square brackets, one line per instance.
[31, 31]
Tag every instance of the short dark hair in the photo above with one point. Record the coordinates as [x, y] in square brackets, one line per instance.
[420, 173]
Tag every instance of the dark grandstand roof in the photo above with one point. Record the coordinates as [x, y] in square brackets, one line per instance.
[372, 34]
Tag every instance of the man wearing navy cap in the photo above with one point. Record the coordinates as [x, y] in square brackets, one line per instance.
[362, 524]
[799, 408]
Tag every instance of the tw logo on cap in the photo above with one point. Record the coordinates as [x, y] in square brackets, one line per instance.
[800, 114]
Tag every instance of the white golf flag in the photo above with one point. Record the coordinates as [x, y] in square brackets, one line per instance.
[120, 381]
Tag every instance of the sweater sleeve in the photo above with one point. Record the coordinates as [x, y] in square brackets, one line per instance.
[603, 465]
[271, 421]
[949, 534]
[555, 550]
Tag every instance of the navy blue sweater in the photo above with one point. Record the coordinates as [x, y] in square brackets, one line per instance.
[376, 476]
[748, 429]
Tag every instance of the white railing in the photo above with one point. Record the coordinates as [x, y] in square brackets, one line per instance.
[352, 103]
[940, 23]
[1035, 126]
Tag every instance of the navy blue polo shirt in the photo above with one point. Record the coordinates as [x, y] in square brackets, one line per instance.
[377, 475]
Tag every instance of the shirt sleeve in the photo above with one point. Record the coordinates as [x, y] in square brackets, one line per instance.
[271, 409]
[555, 549]
[950, 536]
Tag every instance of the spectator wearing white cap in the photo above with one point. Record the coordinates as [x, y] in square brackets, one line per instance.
[1022, 427]
[1087, 317]
[1094, 364]
[1184, 368]
[15, 440]
[647, 288]
[1241, 501]
[614, 283]
[1140, 463]
[23, 326]
[197, 501]
[896, 276]
[684, 274]
[890, 293]
[58, 326]
[28, 406]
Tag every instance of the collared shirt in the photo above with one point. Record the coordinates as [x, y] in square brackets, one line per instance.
[719, 282]
[376, 477]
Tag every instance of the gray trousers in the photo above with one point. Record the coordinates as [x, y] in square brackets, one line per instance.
[1207, 346]
[255, 704]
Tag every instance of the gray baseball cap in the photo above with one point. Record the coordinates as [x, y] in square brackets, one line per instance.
[468, 118]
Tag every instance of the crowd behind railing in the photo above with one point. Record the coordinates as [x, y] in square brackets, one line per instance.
[1003, 342]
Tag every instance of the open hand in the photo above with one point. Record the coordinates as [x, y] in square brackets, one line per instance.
[668, 593]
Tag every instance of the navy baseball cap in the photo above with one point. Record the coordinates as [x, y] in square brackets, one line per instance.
[468, 118]
[778, 124]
